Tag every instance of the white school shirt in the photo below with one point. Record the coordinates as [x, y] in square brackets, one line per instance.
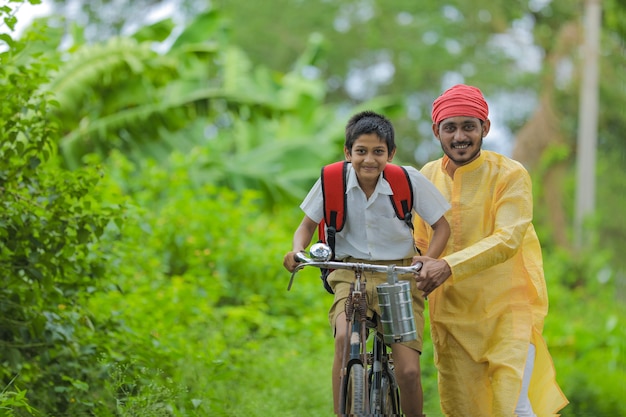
[372, 231]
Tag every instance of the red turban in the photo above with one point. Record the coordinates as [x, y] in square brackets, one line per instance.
[460, 100]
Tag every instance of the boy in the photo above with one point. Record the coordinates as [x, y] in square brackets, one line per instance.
[373, 233]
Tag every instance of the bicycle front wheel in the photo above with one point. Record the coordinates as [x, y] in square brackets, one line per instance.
[354, 391]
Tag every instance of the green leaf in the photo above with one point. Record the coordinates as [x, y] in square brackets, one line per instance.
[156, 32]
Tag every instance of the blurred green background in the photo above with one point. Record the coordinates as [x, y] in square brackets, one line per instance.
[154, 154]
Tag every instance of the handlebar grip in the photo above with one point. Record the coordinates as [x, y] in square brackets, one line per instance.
[299, 257]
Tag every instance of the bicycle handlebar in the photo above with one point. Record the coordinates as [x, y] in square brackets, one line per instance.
[354, 266]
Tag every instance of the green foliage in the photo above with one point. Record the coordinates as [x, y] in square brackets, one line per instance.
[50, 260]
[49, 257]
[585, 331]
[198, 295]
[409, 49]
[138, 392]
[150, 282]
[11, 400]
[249, 128]
[203, 92]
[615, 16]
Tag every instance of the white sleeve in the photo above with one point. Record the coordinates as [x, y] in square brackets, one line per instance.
[313, 203]
[428, 202]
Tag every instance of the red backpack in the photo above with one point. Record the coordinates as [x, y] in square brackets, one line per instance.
[334, 180]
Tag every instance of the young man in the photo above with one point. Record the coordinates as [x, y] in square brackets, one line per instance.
[488, 295]
[372, 233]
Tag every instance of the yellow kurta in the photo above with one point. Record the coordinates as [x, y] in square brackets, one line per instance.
[485, 315]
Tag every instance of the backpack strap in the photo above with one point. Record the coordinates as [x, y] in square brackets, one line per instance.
[334, 192]
[402, 197]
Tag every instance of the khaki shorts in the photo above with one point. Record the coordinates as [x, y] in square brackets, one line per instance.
[340, 280]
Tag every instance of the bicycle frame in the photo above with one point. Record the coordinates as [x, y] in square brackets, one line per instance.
[355, 350]
[369, 387]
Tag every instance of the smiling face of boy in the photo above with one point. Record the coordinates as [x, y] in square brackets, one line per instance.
[369, 156]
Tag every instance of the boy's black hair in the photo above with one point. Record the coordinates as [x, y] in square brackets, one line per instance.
[369, 122]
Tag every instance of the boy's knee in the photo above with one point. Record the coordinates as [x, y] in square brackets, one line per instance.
[407, 373]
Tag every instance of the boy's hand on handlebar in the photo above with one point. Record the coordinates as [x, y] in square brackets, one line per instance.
[290, 261]
[433, 273]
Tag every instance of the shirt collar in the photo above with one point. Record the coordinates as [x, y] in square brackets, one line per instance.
[468, 167]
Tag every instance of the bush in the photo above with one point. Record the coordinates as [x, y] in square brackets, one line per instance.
[50, 259]
[586, 334]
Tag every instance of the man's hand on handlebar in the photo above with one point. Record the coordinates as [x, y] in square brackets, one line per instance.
[434, 272]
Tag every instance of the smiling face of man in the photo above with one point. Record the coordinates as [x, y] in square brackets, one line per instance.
[461, 137]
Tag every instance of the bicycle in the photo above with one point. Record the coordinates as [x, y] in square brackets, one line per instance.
[368, 384]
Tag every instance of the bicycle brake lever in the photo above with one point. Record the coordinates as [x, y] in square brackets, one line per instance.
[293, 274]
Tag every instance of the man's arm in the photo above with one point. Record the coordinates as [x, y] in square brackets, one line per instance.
[512, 216]
[511, 211]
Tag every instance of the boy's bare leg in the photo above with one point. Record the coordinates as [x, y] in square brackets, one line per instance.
[340, 337]
[408, 374]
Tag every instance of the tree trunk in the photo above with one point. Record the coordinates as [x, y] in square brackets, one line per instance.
[543, 132]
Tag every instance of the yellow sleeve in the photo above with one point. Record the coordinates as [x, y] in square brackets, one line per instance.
[498, 232]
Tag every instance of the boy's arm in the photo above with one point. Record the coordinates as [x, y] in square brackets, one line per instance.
[441, 233]
[430, 264]
[301, 240]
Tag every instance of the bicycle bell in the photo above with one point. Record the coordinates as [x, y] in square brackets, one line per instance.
[321, 252]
